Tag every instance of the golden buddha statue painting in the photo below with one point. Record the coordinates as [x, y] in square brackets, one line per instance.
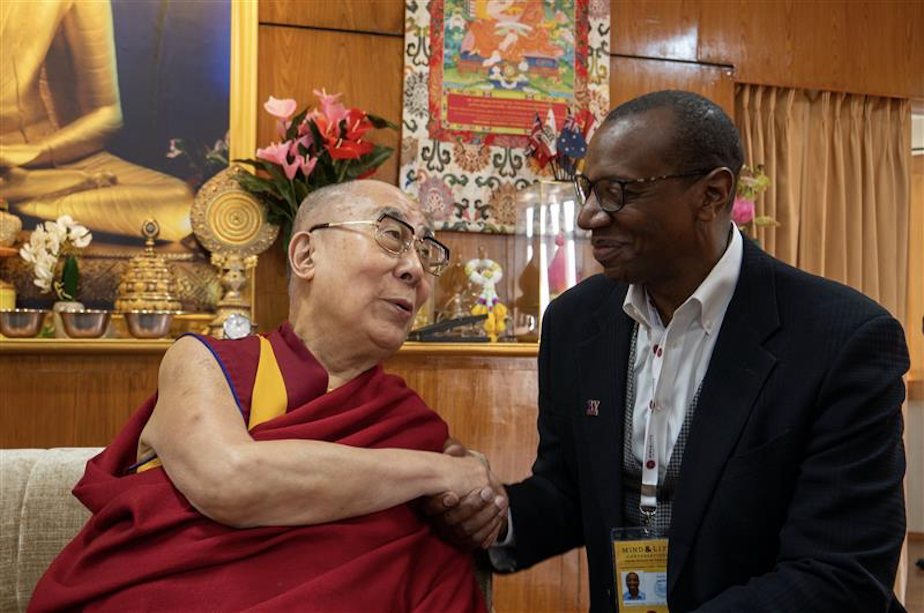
[61, 109]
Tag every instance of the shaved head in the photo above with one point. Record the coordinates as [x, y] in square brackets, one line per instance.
[343, 201]
[327, 201]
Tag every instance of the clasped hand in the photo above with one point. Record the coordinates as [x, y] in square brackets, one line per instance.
[476, 519]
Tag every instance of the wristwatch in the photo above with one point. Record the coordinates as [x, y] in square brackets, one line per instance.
[236, 326]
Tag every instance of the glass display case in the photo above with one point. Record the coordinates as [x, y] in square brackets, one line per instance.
[551, 253]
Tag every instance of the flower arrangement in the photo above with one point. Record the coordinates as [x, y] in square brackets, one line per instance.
[48, 243]
[752, 182]
[202, 161]
[316, 148]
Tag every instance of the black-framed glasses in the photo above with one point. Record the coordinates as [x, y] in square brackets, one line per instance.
[611, 192]
[396, 237]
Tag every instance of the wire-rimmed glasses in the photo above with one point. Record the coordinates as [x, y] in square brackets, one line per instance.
[396, 237]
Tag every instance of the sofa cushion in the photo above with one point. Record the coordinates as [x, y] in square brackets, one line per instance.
[38, 515]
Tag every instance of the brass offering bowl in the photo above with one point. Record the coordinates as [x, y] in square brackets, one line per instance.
[88, 323]
[149, 324]
[21, 323]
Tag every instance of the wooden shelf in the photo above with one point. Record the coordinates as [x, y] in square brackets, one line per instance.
[40, 346]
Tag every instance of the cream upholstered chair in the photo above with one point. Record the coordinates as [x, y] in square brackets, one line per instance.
[39, 516]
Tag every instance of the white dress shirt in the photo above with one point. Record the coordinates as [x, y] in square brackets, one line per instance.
[671, 361]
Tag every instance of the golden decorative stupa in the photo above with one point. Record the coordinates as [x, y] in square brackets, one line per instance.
[148, 283]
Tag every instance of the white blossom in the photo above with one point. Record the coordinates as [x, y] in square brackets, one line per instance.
[79, 236]
[47, 242]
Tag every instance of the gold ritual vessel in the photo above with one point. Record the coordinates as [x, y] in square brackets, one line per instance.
[148, 283]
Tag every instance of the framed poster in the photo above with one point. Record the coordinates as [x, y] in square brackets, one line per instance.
[477, 74]
[109, 111]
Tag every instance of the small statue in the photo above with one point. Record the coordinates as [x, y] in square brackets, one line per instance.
[486, 273]
[455, 292]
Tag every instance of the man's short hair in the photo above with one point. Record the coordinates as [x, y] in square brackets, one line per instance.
[703, 134]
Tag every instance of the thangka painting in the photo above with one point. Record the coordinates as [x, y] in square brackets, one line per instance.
[477, 75]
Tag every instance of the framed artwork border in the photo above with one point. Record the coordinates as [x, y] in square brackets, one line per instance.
[242, 99]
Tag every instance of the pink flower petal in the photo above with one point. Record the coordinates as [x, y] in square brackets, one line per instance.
[306, 164]
[275, 153]
[282, 109]
[742, 211]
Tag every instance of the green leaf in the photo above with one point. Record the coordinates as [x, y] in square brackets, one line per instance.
[292, 132]
[301, 191]
[766, 220]
[370, 161]
[380, 122]
[69, 278]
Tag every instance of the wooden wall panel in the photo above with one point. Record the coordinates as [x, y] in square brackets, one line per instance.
[666, 29]
[71, 400]
[854, 46]
[382, 16]
[632, 76]
[367, 69]
[296, 61]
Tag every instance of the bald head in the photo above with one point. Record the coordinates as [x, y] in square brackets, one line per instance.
[345, 201]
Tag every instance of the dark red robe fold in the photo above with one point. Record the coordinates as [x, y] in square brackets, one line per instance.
[147, 548]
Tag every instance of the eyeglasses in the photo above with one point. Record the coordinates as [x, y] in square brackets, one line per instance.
[611, 192]
[396, 237]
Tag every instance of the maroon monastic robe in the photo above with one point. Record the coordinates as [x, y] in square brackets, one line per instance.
[146, 548]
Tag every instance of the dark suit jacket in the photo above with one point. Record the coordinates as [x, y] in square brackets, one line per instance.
[790, 491]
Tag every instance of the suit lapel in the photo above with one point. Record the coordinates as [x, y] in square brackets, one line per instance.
[602, 367]
[737, 371]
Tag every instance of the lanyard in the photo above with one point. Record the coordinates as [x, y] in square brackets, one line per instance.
[656, 419]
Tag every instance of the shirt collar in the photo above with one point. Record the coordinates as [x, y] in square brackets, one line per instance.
[712, 295]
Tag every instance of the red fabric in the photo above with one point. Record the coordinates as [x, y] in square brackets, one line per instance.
[146, 548]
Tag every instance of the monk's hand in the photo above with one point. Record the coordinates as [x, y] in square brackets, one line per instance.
[476, 519]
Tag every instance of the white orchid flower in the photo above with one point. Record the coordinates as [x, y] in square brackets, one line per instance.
[64, 222]
[27, 252]
[80, 236]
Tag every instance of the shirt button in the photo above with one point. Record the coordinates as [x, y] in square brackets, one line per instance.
[655, 349]
[660, 351]
[651, 404]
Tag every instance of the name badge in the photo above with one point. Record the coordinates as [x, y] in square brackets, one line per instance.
[640, 562]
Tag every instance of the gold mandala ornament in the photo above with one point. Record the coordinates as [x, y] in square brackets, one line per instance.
[232, 225]
[148, 283]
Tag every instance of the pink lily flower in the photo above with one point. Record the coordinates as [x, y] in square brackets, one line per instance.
[282, 127]
[281, 109]
[305, 141]
[306, 164]
[333, 110]
[278, 153]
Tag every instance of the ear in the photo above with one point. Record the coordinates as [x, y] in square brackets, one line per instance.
[301, 250]
[718, 187]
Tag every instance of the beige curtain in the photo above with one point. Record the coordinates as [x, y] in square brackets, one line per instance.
[840, 171]
[840, 166]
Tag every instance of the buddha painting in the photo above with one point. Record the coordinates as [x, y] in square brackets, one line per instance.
[60, 110]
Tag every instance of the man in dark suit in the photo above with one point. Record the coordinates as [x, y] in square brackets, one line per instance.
[782, 455]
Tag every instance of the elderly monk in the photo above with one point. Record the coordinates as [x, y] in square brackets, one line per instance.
[276, 472]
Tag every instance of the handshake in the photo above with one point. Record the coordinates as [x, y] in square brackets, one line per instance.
[476, 519]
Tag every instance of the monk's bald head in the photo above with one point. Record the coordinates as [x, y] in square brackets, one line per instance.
[351, 201]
